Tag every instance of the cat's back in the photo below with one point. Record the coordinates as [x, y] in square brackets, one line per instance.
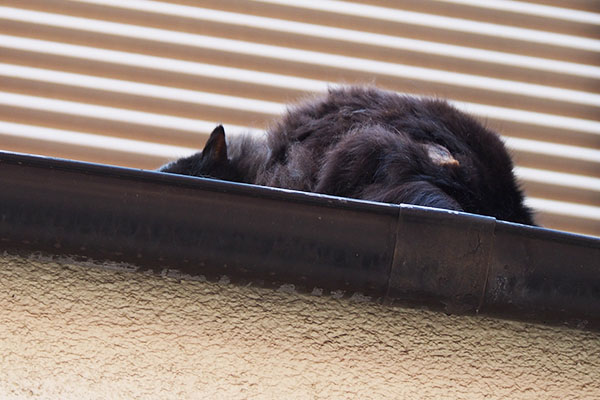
[319, 122]
[338, 110]
[311, 132]
[341, 109]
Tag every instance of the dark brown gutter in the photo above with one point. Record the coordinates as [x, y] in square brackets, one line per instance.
[399, 254]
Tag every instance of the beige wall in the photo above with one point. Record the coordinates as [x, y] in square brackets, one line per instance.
[70, 331]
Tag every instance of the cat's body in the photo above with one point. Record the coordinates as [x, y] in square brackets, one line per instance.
[375, 145]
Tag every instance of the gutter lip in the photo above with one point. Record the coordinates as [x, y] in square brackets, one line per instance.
[547, 233]
[538, 295]
[206, 183]
[217, 185]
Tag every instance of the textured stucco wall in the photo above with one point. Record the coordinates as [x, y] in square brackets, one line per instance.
[69, 331]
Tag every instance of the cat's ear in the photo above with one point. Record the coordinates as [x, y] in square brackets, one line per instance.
[215, 148]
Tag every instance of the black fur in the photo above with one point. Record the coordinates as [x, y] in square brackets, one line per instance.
[376, 145]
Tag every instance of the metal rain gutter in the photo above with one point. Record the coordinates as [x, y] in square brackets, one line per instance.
[399, 254]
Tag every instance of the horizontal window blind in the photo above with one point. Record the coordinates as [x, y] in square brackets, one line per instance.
[138, 83]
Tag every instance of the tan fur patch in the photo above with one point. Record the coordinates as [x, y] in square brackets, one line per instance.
[440, 155]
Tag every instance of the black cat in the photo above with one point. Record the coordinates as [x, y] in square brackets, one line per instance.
[371, 144]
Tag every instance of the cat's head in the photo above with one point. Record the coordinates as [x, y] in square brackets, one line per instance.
[211, 162]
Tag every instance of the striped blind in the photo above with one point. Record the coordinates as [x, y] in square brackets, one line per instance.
[137, 83]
